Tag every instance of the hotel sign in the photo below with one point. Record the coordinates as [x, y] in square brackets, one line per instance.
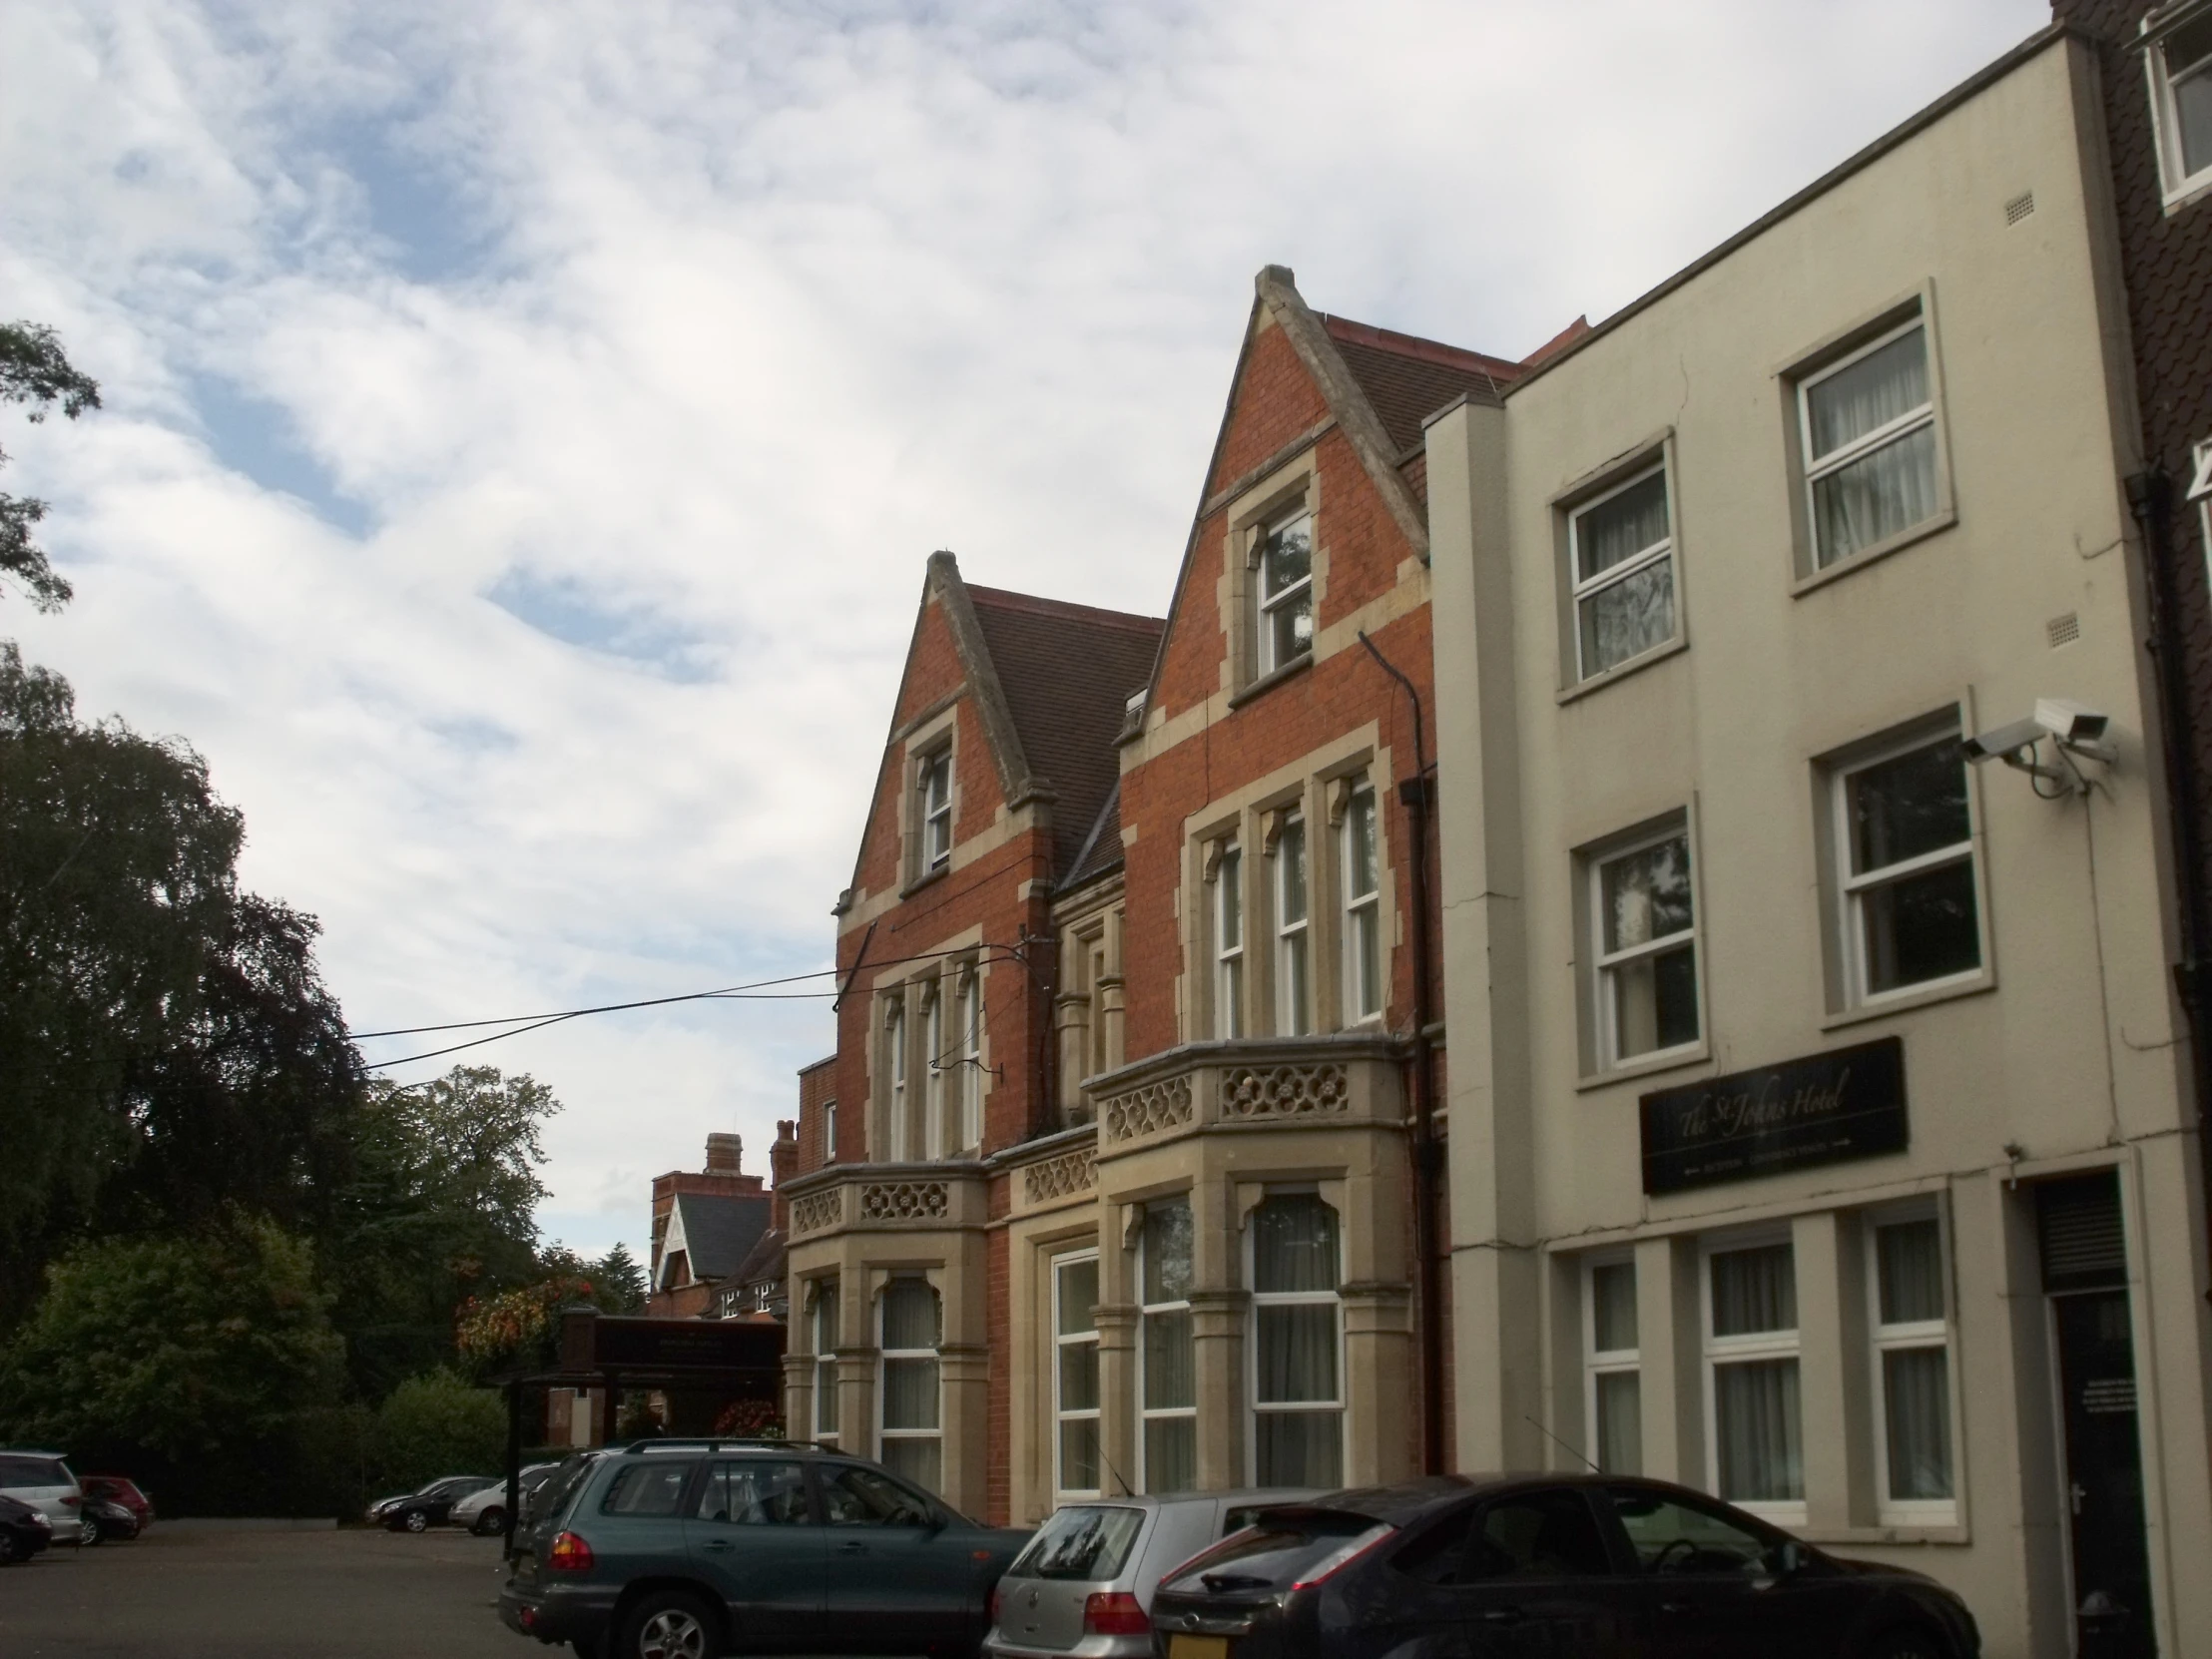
[1823, 1109]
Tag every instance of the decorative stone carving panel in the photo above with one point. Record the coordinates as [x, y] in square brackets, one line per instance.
[1070, 1172]
[905, 1201]
[818, 1209]
[1143, 1111]
[1283, 1092]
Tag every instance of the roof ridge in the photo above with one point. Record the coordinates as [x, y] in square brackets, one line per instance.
[1356, 332]
[1006, 599]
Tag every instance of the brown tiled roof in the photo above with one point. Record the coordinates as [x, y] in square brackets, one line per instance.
[1407, 378]
[1068, 672]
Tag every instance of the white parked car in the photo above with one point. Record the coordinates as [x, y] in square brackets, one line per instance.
[485, 1512]
[42, 1479]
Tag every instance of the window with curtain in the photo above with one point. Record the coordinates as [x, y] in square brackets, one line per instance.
[1614, 1365]
[908, 1381]
[1646, 949]
[895, 1064]
[1292, 945]
[1868, 425]
[1363, 889]
[1911, 1350]
[933, 790]
[1285, 591]
[1621, 548]
[1167, 1371]
[968, 1077]
[826, 1361]
[1229, 942]
[1075, 1374]
[1906, 830]
[1297, 1319]
[1751, 1366]
[2181, 99]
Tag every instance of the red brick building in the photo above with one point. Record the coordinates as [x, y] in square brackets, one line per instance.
[1111, 1182]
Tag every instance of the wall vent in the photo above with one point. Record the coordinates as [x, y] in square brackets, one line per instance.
[2063, 629]
[2019, 206]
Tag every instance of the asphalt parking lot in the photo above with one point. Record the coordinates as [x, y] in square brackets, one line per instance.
[187, 1593]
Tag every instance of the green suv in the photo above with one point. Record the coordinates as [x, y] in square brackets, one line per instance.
[684, 1549]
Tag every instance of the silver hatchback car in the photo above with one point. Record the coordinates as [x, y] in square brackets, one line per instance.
[43, 1480]
[1082, 1588]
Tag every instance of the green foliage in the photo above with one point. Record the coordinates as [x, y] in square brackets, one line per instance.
[434, 1425]
[34, 370]
[621, 1282]
[185, 1358]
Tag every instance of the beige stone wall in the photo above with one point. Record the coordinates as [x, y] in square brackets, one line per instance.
[2063, 1052]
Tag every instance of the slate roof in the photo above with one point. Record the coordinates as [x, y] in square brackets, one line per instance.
[764, 1261]
[719, 1229]
[1407, 378]
[1068, 672]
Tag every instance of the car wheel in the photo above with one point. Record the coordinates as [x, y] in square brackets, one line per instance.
[8, 1553]
[89, 1532]
[490, 1521]
[670, 1625]
[1907, 1642]
[415, 1520]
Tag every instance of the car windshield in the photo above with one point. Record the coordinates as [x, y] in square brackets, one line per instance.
[1271, 1552]
[1083, 1541]
[18, 1471]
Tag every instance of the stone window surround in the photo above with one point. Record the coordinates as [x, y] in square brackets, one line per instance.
[1293, 485]
[1806, 572]
[912, 993]
[1089, 1007]
[938, 733]
[1594, 1072]
[1319, 785]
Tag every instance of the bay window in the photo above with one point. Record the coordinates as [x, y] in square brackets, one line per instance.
[1297, 1338]
[1756, 1452]
[937, 1075]
[1167, 1372]
[1075, 1374]
[826, 1361]
[906, 1384]
[1363, 917]
[968, 1073]
[1293, 946]
[895, 1064]
[1229, 941]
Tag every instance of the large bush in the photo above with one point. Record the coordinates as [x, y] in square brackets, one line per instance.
[437, 1423]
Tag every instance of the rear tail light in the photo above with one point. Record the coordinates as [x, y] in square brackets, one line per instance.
[569, 1554]
[998, 1594]
[1114, 1613]
[70, 1500]
[1337, 1559]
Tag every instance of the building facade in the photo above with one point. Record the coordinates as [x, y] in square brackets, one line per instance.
[1111, 1184]
[705, 1224]
[1822, 1129]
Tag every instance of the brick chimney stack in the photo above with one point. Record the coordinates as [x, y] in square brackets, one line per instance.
[782, 1164]
[724, 1153]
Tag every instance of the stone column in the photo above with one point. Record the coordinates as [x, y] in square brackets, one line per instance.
[1824, 1415]
[857, 1425]
[1217, 1336]
[1117, 1395]
[798, 1397]
[1670, 1347]
[963, 1375]
[1381, 1425]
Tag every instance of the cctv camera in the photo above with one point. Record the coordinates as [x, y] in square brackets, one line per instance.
[2069, 722]
[2077, 728]
[2003, 741]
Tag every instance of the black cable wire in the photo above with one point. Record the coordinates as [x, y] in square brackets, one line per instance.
[604, 1008]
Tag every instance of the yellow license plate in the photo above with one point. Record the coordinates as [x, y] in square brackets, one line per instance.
[1198, 1647]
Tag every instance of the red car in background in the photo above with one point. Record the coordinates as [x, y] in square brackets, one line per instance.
[117, 1488]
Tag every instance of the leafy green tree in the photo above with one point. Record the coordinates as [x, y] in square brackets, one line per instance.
[34, 370]
[185, 1358]
[434, 1425]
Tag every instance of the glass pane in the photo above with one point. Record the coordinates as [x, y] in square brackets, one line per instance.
[1871, 392]
[647, 1490]
[1170, 1377]
[1291, 629]
[1171, 1455]
[1621, 527]
[1916, 1393]
[825, 1320]
[1300, 1448]
[2193, 107]
[1167, 1251]
[1646, 894]
[1540, 1535]
[1294, 1244]
[1613, 1307]
[1877, 497]
[1079, 1456]
[1921, 928]
[916, 1461]
[754, 1495]
[864, 1497]
[1654, 1002]
[1229, 1017]
[1078, 1295]
[1628, 617]
[909, 1314]
[1620, 1423]
[1290, 863]
[1287, 555]
[1674, 1538]
[909, 1393]
[1911, 1259]
[1078, 1376]
[1912, 805]
[1296, 1359]
[826, 1399]
[1296, 997]
[1755, 1291]
[1360, 834]
[1230, 899]
[1082, 1541]
[1754, 1408]
[1367, 962]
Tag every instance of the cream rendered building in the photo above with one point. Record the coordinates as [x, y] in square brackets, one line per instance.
[1821, 1133]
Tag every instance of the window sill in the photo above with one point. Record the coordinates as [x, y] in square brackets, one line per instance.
[2190, 191]
[1906, 1002]
[1621, 670]
[1268, 681]
[1944, 520]
[1674, 1059]
[923, 880]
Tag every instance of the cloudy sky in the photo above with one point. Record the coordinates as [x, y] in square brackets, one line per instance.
[526, 419]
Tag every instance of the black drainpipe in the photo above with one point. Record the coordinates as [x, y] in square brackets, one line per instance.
[2148, 499]
[1419, 792]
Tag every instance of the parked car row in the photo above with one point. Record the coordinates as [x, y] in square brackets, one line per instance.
[42, 1503]
[676, 1550]
[475, 1502]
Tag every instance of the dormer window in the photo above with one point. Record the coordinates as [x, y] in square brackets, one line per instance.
[1285, 591]
[933, 795]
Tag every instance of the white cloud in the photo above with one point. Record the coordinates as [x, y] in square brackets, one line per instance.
[686, 333]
